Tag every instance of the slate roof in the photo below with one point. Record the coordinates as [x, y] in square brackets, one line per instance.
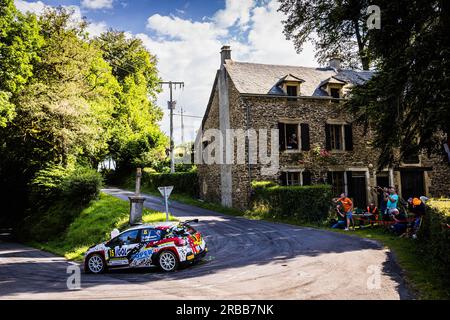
[254, 78]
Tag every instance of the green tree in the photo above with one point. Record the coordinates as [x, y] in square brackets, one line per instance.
[336, 27]
[19, 44]
[136, 136]
[407, 102]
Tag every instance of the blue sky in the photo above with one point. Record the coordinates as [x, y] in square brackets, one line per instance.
[186, 36]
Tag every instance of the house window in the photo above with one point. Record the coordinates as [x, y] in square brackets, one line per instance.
[292, 91]
[337, 181]
[289, 136]
[298, 178]
[335, 93]
[336, 137]
[411, 159]
[339, 137]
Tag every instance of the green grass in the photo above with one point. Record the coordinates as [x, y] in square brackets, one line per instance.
[94, 225]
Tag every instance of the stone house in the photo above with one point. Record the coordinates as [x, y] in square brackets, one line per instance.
[317, 141]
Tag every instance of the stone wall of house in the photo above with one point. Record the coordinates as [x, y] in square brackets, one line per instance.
[209, 175]
[438, 179]
[259, 112]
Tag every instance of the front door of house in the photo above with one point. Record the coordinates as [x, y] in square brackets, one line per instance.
[357, 188]
[413, 184]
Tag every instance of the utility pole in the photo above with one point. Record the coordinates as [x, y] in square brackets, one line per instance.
[172, 104]
[182, 126]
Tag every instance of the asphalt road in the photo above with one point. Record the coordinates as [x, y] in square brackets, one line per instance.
[247, 260]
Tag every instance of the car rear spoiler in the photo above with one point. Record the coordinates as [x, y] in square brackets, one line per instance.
[190, 221]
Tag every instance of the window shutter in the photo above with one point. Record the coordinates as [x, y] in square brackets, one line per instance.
[306, 178]
[349, 184]
[306, 144]
[282, 137]
[348, 137]
[329, 177]
[327, 137]
[283, 178]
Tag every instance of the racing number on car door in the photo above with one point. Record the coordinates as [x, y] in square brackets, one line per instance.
[121, 246]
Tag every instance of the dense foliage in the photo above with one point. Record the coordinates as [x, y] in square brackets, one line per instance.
[307, 204]
[335, 27]
[66, 102]
[407, 102]
[183, 182]
[434, 239]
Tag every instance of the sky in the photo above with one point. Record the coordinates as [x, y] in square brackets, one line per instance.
[186, 37]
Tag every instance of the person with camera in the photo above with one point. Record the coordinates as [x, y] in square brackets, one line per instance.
[341, 222]
[391, 198]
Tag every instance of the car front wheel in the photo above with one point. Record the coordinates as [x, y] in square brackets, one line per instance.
[168, 261]
[95, 264]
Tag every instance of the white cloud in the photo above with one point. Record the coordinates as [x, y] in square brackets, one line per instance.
[94, 28]
[180, 29]
[33, 7]
[189, 51]
[235, 12]
[97, 4]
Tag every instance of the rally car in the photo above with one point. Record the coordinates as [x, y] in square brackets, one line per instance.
[167, 246]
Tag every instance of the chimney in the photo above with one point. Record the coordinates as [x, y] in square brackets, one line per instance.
[225, 54]
[335, 63]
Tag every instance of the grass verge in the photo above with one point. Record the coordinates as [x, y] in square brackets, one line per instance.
[94, 225]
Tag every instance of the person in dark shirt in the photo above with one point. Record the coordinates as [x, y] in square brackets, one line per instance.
[401, 222]
[341, 223]
[416, 207]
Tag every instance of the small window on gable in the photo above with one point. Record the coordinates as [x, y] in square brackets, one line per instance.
[292, 91]
[335, 93]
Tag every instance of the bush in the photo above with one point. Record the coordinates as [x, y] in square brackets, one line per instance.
[81, 186]
[183, 182]
[434, 238]
[307, 204]
[58, 196]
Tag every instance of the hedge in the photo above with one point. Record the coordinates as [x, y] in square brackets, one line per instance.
[434, 237]
[183, 182]
[308, 204]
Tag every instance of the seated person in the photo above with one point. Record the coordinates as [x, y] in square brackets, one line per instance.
[372, 211]
[400, 221]
[342, 222]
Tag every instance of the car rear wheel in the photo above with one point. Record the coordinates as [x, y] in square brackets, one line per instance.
[96, 264]
[168, 261]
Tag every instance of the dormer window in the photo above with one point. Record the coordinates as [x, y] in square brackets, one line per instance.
[335, 93]
[333, 87]
[290, 85]
[292, 91]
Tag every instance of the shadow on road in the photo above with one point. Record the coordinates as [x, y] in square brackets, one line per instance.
[233, 242]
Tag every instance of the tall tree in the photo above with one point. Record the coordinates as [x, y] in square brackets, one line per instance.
[136, 136]
[407, 102]
[19, 44]
[336, 27]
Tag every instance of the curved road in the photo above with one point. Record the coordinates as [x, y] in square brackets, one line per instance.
[247, 260]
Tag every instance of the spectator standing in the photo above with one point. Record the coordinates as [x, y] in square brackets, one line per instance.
[391, 198]
[347, 204]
